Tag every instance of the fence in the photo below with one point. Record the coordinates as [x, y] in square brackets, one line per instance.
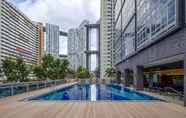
[18, 88]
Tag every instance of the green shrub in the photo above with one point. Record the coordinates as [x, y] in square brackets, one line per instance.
[82, 73]
[15, 70]
[51, 68]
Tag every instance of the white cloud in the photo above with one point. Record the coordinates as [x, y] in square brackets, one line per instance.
[65, 13]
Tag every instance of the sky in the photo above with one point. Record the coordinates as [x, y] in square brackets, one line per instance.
[65, 13]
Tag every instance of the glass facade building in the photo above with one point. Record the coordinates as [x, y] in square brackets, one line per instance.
[138, 23]
[77, 46]
[52, 39]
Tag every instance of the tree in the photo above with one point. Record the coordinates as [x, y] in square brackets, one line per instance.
[8, 67]
[113, 74]
[59, 69]
[97, 72]
[15, 69]
[55, 72]
[22, 70]
[52, 68]
[82, 73]
[1, 72]
[71, 73]
[47, 63]
[39, 72]
[110, 72]
[64, 68]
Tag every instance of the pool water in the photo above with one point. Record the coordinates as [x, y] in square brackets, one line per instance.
[95, 92]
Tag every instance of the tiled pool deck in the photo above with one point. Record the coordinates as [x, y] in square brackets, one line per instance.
[14, 107]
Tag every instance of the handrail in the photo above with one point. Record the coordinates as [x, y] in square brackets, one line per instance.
[23, 83]
[174, 90]
[28, 86]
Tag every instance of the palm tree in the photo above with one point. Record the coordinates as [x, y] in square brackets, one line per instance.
[82, 73]
[52, 68]
[110, 72]
[22, 70]
[39, 72]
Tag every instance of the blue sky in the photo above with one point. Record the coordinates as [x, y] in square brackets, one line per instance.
[65, 13]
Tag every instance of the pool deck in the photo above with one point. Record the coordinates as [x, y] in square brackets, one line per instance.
[14, 107]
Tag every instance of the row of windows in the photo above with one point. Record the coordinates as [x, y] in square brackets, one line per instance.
[52, 39]
[17, 14]
[17, 26]
[153, 18]
[16, 43]
[18, 31]
[24, 29]
[18, 38]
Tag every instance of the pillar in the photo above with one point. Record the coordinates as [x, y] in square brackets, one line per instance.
[185, 79]
[126, 76]
[138, 78]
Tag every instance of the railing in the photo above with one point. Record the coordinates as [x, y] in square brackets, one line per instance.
[93, 81]
[177, 93]
[18, 88]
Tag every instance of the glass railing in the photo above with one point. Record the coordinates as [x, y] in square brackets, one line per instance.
[18, 88]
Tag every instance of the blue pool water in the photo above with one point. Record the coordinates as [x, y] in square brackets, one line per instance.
[95, 92]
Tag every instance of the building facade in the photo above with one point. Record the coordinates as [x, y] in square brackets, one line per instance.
[77, 46]
[41, 36]
[52, 39]
[61, 56]
[82, 42]
[93, 47]
[107, 31]
[150, 43]
[72, 48]
[18, 34]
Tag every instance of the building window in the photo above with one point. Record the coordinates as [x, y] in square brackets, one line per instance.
[128, 39]
[171, 12]
[118, 28]
[117, 9]
[128, 11]
[154, 18]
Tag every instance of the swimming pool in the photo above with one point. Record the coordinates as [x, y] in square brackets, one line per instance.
[94, 92]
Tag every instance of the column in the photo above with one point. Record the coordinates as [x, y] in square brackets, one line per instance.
[126, 76]
[138, 78]
[185, 79]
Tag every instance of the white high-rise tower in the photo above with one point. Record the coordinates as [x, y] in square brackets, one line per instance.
[52, 39]
[107, 32]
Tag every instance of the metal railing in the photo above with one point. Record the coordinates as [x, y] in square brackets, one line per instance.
[18, 88]
[176, 93]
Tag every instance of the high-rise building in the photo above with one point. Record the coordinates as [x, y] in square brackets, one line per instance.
[40, 28]
[150, 43]
[107, 31]
[82, 42]
[77, 46]
[93, 47]
[52, 39]
[18, 34]
[72, 48]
